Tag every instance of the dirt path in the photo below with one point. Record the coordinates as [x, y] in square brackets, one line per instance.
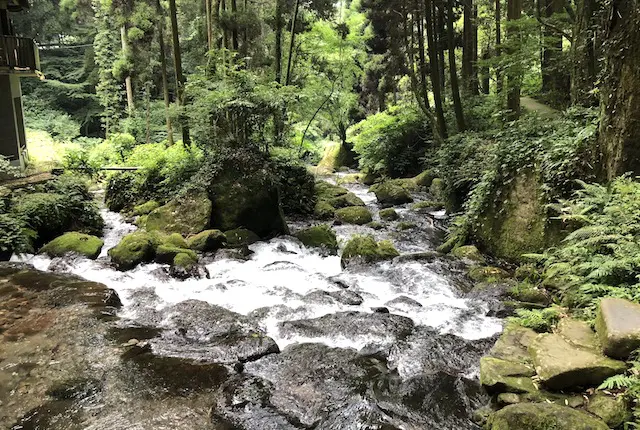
[535, 106]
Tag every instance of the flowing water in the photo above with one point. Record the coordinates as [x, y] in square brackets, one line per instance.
[393, 345]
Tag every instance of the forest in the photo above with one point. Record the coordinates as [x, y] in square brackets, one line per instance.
[316, 214]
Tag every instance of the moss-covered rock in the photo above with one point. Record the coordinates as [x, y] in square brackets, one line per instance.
[390, 193]
[187, 214]
[240, 237]
[345, 201]
[487, 274]
[354, 215]
[437, 190]
[406, 226]
[336, 155]
[365, 249]
[469, 253]
[351, 178]
[185, 260]
[528, 293]
[319, 236]
[424, 179]
[502, 376]
[328, 191]
[389, 214]
[207, 241]
[618, 326]
[428, 205]
[74, 243]
[614, 411]
[165, 254]
[543, 416]
[528, 272]
[375, 225]
[324, 210]
[133, 249]
[146, 208]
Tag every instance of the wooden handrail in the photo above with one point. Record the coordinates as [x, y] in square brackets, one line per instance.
[19, 53]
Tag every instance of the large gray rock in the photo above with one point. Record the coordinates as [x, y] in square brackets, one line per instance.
[543, 416]
[618, 326]
[562, 364]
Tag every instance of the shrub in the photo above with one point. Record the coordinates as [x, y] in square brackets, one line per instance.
[539, 320]
[14, 238]
[297, 186]
[392, 142]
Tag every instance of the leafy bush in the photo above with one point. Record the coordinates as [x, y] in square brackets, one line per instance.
[539, 320]
[602, 257]
[297, 186]
[630, 384]
[392, 142]
[7, 170]
[14, 238]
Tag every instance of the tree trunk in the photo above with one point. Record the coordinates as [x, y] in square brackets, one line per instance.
[421, 54]
[293, 41]
[127, 80]
[470, 48]
[207, 8]
[435, 68]
[278, 121]
[620, 90]
[514, 74]
[234, 31]
[484, 72]
[165, 80]
[177, 59]
[584, 54]
[440, 35]
[555, 81]
[453, 72]
[498, 16]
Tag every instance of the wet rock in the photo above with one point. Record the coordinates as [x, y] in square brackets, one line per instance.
[389, 214]
[375, 225]
[133, 249]
[560, 364]
[209, 333]
[390, 193]
[404, 302]
[319, 236]
[618, 326]
[354, 215]
[165, 254]
[207, 241]
[614, 411]
[319, 297]
[187, 269]
[61, 265]
[543, 416]
[380, 310]
[77, 388]
[74, 243]
[188, 214]
[487, 274]
[428, 206]
[470, 254]
[242, 253]
[347, 297]
[339, 282]
[505, 399]
[364, 249]
[500, 376]
[418, 256]
[350, 325]
[241, 237]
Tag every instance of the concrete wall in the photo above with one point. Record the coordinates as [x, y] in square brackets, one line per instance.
[12, 135]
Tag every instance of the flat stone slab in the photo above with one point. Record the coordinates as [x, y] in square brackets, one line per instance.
[543, 416]
[578, 333]
[500, 376]
[618, 327]
[561, 364]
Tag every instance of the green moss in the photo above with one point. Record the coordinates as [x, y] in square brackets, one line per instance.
[525, 292]
[351, 178]
[487, 274]
[188, 214]
[528, 272]
[335, 156]
[133, 249]
[437, 190]
[614, 411]
[323, 210]
[470, 253]
[429, 205]
[241, 237]
[74, 243]
[345, 200]
[500, 376]
[146, 208]
[207, 241]
[406, 226]
[375, 225]
[424, 179]
[389, 214]
[354, 215]
[166, 253]
[319, 236]
[365, 249]
[327, 191]
[543, 416]
[184, 260]
[391, 193]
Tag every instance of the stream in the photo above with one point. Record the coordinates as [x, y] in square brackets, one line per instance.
[287, 339]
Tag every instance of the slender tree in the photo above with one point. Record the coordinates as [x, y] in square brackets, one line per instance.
[470, 47]
[163, 71]
[177, 59]
[453, 72]
[126, 52]
[584, 53]
[294, 21]
[436, 66]
[498, 21]
[514, 75]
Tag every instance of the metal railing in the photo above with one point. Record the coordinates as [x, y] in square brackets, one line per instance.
[19, 54]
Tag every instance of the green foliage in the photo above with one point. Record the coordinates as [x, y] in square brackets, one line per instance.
[393, 142]
[629, 383]
[539, 320]
[7, 170]
[14, 238]
[601, 257]
[296, 184]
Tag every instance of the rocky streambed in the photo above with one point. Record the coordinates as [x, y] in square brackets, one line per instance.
[282, 338]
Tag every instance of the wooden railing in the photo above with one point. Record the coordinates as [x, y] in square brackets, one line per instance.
[18, 54]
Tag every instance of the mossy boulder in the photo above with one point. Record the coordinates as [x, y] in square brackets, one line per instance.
[336, 155]
[424, 179]
[437, 190]
[365, 249]
[528, 293]
[319, 236]
[528, 272]
[501, 376]
[324, 210]
[487, 274]
[618, 326]
[133, 249]
[390, 193]
[146, 208]
[185, 260]
[165, 254]
[469, 253]
[561, 364]
[334, 196]
[428, 205]
[345, 201]
[186, 214]
[389, 214]
[406, 226]
[543, 416]
[375, 225]
[614, 411]
[74, 243]
[207, 241]
[240, 237]
[354, 215]
[351, 178]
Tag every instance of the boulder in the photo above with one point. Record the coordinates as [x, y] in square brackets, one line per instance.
[345, 201]
[187, 214]
[365, 249]
[146, 208]
[319, 236]
[323, 210]
[389, 214]
[487, 274]
[166, 254]
[618, 327]
[207, 241]
[424, 179]
[375, 225]
[354, 215]
[500, 376]
[74, 243]
[614, 411]
[578, 333]
[469, 253]
[240, 237]
[543, 416]
[561, 364]
[428, 205]
[390, 193]
[133, 249]
[437, 190]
